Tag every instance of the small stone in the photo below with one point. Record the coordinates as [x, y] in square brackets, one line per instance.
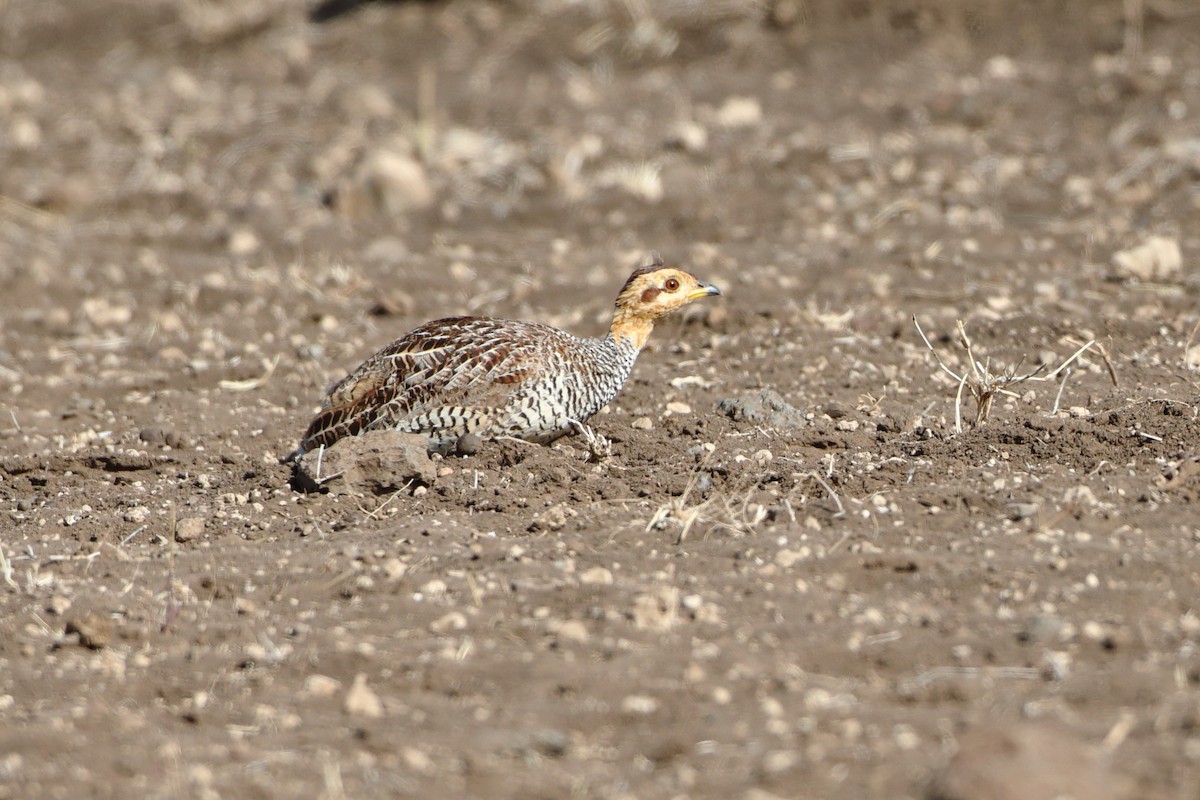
[391, 302]
[394, 569]
[58, 605]
[780, 761]
[765, 407]
[155, 436]
[189, 529]
[740, 112]
[645, 423]
[676, 407]
[361, 701]
[639, 705]
[573, 631]
[434, 589]
[688, 136]
[1043, 629]
[137, 515]
[94, 631]
[787, 558]
[552, 519]
[1081, 496]
[1020, 511]
[467, 445]
[1156, 259]
[386, 182]
[596, 576]
[243, 242]
[321, 686]
[103, 313]
[417, 760]
[25, 133]
[657, 610]
[453, 621]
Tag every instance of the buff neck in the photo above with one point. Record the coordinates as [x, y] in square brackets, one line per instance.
[631, 329]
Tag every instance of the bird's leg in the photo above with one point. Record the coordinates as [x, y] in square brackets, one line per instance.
[599, 448]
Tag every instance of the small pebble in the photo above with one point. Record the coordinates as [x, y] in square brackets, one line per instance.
[572, 631]
[94, 631]
[596, 576]
[188, 529]
[361, 701]
[454, 621]
[639, 704]
[467, 445]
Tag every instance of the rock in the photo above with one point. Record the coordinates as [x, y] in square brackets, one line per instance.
[189, 529]
[361, 701]
[1043, 629]
[385, 182]
[657, 610]
[765, 407]
[1156, 259]
[467, 445]
[377, 462]
[104, 313]
[1027, 761]
[449, 623]
[639, 705]
[552, 519]
[94, 630]
[596, 576]
[243, 242]
[691, 137]
[572, 631]
[58, 605]
[740, 112]
[321, 686]
[152, 436]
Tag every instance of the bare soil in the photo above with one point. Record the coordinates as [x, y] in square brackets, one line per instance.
[209, 211]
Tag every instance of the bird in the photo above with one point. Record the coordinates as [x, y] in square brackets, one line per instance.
[463, 379]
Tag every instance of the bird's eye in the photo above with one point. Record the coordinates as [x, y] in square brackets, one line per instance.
[671, 285]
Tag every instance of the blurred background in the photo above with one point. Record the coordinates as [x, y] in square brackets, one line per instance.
[197, 184]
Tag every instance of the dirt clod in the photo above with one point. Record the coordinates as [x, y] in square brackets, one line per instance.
[764, 407]
[375, 463]
[95, 631]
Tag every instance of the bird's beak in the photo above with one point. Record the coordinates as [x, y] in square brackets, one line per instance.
[703, 290]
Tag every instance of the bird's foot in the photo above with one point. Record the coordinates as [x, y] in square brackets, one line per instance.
[599, 448]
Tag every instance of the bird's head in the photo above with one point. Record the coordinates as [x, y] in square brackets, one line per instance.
[651, 293]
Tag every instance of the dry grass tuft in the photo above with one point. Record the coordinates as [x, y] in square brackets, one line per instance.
[983, 383]
[729, 512]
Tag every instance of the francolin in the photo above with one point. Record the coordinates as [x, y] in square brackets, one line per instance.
[495, 378]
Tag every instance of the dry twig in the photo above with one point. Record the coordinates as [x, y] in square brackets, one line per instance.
[983, 384]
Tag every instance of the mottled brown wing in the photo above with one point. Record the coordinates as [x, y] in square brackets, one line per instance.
[349, 418]
[455, 368]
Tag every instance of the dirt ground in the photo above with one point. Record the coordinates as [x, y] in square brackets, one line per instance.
[793, 578]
